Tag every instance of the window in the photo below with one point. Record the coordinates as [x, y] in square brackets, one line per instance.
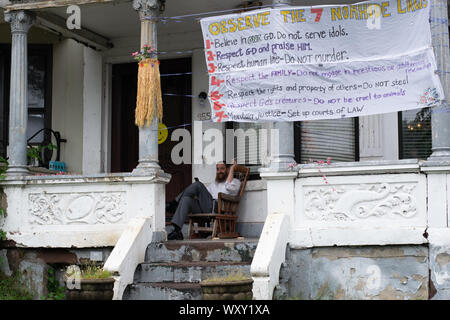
[415, 133]
[249, 145]
[39, 93]
[336, 139]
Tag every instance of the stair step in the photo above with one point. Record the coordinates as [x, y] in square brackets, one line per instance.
[186, 271]
[163, 291]
[231, 250]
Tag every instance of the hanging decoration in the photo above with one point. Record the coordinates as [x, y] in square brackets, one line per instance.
[149, 87]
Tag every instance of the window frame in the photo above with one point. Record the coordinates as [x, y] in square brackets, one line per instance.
[401, 155]
[33, 49]
[298, 141]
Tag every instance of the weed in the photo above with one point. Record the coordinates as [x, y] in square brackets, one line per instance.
[13, 288]
[90, 270]
[55, 291]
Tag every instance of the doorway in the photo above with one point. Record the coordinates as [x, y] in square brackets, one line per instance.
[176, 90]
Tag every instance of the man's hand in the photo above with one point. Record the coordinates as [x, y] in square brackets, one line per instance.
[231, 171]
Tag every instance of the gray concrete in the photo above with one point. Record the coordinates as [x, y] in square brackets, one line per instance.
[20, 22]
[174, 269]
[372, 272]
[34, 273]
[149, 291]
[440, 116]
[4, 264]
[439, 271]
[202, 250]
[187, 272]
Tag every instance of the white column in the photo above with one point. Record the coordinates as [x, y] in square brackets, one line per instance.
[148, 136]
[440, 116]
[21, 22]
[284, 152]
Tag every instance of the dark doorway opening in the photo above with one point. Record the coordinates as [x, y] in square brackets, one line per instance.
[176, 90]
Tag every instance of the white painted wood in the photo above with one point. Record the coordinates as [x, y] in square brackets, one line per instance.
[301, 238]
[390, 136]
[92, 111]
[67, 101]
[107, 119]
[269, 256]
[448, 200]
[437, 200]
[128, 253]
[371, 137]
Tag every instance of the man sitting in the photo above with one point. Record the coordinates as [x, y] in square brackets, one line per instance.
[197, 198]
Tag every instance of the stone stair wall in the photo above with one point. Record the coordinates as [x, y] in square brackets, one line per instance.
[174, 269]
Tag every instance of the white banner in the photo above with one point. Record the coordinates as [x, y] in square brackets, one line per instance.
[323, 62]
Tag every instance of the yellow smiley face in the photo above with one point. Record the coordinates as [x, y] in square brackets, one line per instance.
[163, 132]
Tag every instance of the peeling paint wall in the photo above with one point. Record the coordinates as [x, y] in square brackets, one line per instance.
[440, 266]
[346, 273]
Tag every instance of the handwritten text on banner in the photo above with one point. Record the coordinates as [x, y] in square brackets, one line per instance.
[324, 62]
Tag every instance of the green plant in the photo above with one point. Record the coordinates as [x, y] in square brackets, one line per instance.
[13, 288]
[55, 291]
[35, 152]
[3, 167]
[232, 276]
[92, 271]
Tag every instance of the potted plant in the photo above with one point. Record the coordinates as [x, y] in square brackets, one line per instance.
[89, 283]
[234, 286]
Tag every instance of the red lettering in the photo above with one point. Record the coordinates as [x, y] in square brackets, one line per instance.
[215, 95]
[210, 55]
[218, 105]
[221, 115]
[215, 81]
[212, 67]
[318, 12]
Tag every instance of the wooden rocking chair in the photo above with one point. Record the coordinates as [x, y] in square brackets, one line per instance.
[223, 223]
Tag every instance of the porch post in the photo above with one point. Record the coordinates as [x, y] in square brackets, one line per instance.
[284, 155]
[440, 115]
[20, 22]
[148, 136]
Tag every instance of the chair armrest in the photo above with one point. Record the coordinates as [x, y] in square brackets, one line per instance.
[227, 197]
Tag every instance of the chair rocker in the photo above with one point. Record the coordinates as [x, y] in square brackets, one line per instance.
[222, 224]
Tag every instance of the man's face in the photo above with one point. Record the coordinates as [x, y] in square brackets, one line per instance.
[221, 172]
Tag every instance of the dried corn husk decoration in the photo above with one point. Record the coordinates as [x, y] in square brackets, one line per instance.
[148, 91]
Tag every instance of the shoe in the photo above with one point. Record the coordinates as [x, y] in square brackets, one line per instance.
[175, 235]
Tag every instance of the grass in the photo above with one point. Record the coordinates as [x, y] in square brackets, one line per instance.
[92, 271]
[12, 288]
[232, 276]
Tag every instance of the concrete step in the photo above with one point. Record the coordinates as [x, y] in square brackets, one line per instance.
[187, 271]
[231, 250]
[163, 291]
